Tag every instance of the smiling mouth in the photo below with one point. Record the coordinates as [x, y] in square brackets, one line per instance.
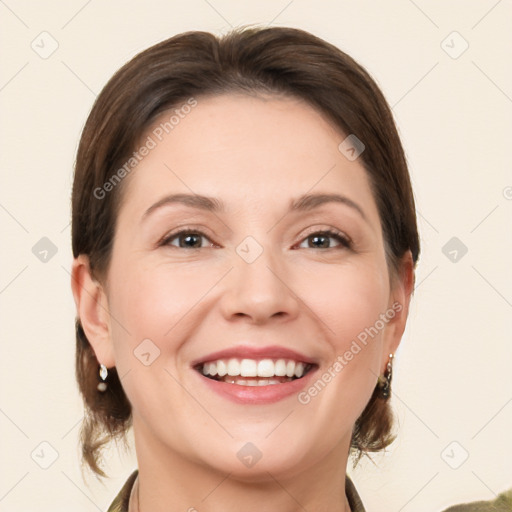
[254, 372]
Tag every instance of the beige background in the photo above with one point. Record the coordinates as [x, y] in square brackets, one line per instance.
[453, 378]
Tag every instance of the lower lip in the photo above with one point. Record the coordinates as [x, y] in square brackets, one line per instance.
[257, 394]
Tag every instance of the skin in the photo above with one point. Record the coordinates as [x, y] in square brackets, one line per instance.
[256, 154]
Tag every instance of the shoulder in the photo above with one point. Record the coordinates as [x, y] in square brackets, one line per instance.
[503, 503]
[121, 501]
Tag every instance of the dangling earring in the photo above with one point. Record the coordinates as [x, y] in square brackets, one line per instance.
[102, 386]
[384, 382]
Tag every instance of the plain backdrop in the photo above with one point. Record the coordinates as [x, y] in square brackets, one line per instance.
[445, 70]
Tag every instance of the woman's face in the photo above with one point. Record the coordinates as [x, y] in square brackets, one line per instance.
[254, 288]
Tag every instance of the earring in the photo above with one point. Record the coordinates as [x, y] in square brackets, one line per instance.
[102, 386]
[384, 381]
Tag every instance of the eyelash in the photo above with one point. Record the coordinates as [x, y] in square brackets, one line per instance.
[345, 242]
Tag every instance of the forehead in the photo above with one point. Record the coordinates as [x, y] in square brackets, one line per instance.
[247, 150]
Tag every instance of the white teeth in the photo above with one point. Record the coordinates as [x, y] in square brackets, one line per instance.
[254, 382]
[233, 367]
[210, 369]
[248, 368]
[265, 368]
[299, 369]
[221, 368]
[280, 368]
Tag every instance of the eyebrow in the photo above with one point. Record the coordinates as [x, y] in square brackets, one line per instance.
[305, 202]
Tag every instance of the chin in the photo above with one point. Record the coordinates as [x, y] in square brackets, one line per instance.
[259, 461]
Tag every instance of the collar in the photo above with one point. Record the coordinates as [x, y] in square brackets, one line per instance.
[122, 500]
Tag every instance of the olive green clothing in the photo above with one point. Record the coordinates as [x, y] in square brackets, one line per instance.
[122, 500]
[503, 503]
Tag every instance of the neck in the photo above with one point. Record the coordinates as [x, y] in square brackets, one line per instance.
[168, 481]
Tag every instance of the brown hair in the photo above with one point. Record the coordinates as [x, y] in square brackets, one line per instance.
[273, 60]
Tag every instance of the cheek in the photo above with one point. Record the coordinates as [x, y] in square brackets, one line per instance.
[348, 299]
[350, 305]
[153, 302]
[156, 301]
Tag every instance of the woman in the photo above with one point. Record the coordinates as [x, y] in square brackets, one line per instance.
[244, 239]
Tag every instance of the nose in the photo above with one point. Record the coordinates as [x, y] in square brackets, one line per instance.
[259, 291]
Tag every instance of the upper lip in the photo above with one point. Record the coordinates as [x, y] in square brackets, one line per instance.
[251, 352]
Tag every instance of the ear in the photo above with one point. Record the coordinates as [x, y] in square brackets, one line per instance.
[92, 309]
[400, 297]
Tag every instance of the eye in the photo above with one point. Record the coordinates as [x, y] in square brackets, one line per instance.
[193, 239]
[320, 240]
[187, 239]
